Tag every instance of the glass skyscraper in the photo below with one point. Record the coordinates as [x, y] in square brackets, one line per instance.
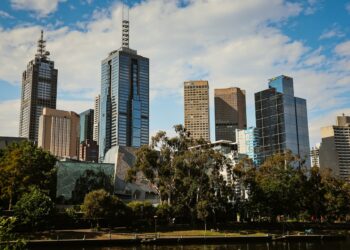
[281, 120]
[124, 100]
[39, 90]
[86, 125]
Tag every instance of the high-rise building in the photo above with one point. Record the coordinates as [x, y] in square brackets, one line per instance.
[39, 90]
[124, 100]
[86, 125]
[196, 97]
[59, 133]
[335, 148]
[247, 141]
[96, 118]
[281, 120]
[315, 156]
[230, 113]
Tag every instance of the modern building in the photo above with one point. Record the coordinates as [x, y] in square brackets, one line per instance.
[315, 156]
[39, 90]
[86, 125]
[88, 151]
[196, 97]
[247, 142]
[281, 120]
[124, 100]
[96, 119]
[59, 133]
[230, 113]
[335, 148]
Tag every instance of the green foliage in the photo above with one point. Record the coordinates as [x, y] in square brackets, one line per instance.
[7, 234]
[142, 211]
[24, 165]
[88, 182]
[34, 210]
[99, 204]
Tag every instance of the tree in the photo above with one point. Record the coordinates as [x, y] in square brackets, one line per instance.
[88, 182]
[184, 173]
[203, 212]
[24, 165]
[7, 234]
[142, 211]
[34, 210]
[99, 204]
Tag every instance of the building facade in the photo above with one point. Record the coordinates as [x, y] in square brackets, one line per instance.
[39, 90]
[315, 156]
[59, 133]
[124, 100]
[247, 142]
[281, 120]
[335, 148]
[96, 119]
[230, 113]
[86, 125]
[196, 97]
[88, 151]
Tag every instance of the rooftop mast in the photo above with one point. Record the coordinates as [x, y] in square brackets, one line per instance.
[125, 27]
[41, 51]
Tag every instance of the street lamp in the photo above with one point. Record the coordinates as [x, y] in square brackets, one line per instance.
[155, 223]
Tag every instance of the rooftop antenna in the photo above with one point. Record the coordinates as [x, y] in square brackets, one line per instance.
[125, 27]
[41, 51]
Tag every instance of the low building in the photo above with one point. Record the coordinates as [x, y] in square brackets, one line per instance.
[6, 141]
[88, 151]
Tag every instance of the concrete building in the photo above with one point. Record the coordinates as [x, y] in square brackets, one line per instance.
[247, 142]
[335, 148]
[59, 133]
[88, 151]
[86, 125]
[315, 156]
[230, 113]
[96, 119]
[39, 90]
[281, 120]
[196, 97]
[124, 100]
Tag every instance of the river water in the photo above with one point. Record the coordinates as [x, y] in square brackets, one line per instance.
[329, 245]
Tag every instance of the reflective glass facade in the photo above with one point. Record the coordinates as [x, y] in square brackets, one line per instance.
[86, 125]
[281, 120]
[124, 101]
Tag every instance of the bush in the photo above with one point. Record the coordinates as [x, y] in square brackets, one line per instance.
[34, 210]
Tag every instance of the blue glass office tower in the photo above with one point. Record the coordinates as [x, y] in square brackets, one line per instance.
[281, 120]
[124, 102]
[86, 125]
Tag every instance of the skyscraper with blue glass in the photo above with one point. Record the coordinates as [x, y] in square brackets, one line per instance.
[281, 120]
[124, 101]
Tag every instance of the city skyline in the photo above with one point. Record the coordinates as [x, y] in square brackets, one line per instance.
[316, 61]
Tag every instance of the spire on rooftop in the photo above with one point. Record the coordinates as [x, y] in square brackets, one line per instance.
[125, 27]
[41, 51]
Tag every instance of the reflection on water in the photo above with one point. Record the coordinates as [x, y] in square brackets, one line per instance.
[330, 245]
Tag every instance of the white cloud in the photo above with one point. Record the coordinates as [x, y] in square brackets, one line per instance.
[4, 14]
[40, 7]
[347, 7]
[343, 49]
[331, 33]
[229, 43]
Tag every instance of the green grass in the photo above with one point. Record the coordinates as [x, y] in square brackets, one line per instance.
[209, 233]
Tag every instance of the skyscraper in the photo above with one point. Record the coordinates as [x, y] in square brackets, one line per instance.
[335, 148]
[196, 97]
[59, 133]
[124, 101]
[230, 113]
[246, 140]
[86, 125]
[96, 118]
[281, 120]
[39, 90]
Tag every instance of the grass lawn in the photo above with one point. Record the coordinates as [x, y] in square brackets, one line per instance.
[210, 233]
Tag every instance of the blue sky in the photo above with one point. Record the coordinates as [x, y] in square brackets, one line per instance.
[228, 42]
